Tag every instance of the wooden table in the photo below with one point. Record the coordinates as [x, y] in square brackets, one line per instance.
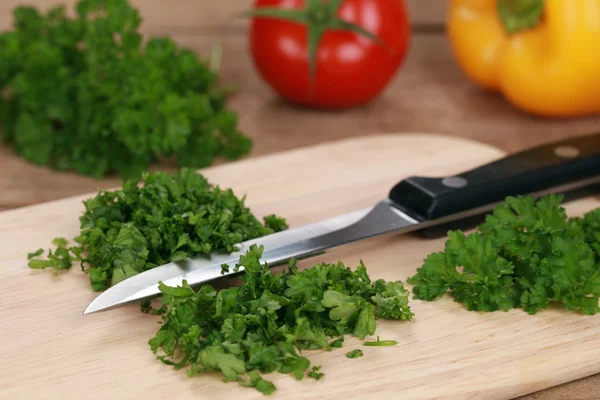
[430, 94]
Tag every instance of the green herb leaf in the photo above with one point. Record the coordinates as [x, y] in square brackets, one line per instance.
[315, 374]
[60, 242]
[391, 301]
[180, 292]
[36, 253]
[381, 343]
[366, 321]
[354, 353]
[224, 269]
[256, 381]
[40, 264]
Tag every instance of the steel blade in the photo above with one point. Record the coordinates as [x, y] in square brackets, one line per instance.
[279, 247]
[119, 293]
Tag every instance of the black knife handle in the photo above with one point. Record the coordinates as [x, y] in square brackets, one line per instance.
[543, 169]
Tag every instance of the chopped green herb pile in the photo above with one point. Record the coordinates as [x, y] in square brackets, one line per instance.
[262, 326]
[85, 94]
[528, 254]
[171, 217]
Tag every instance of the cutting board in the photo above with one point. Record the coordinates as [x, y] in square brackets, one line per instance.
[52, 351]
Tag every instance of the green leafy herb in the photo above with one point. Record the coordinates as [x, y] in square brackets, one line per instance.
[265, 325]
[590, 225]
[527, 255]
[224, 269]
[381, 343]
[171, 217]
[36, 253]
[59, 259]
[354, 353]
[257, 382]
[41, 264]
[146, 306]
[88, 94]
[315, 374]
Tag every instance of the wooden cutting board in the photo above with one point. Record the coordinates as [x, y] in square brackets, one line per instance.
[52, 351]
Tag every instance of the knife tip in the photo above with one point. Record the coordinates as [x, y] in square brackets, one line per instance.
[113, 298]
[90, 309]
[102, 303]
[97, 305]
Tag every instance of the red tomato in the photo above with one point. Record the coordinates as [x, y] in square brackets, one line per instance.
[351, 69]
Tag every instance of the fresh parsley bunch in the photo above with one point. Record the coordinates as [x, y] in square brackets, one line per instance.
[170, 217]
[263, 325]
[527, 255]
[85, 94]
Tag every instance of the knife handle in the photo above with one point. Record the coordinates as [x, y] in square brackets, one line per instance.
[549, 168]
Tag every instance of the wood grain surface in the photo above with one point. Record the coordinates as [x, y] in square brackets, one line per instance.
[429, 94]
[53, 351]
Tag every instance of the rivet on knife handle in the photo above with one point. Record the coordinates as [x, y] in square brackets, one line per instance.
[566, 164]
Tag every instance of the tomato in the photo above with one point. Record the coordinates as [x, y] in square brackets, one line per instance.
[351, 69]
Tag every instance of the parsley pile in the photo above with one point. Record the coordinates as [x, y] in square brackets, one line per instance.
[171, 217]
[85, 94]
[528, 254]
[262, 326]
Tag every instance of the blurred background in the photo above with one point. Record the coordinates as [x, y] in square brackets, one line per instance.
[429, 93]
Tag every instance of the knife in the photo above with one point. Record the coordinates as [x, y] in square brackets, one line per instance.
[414, 204]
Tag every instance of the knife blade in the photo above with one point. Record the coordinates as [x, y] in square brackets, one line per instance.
[415, 203]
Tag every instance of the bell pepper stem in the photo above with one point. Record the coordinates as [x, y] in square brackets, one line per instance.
[518, 15]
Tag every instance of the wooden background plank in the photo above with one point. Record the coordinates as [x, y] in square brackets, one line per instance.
[206, 15]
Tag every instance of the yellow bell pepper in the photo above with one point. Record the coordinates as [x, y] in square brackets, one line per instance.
[543, 55]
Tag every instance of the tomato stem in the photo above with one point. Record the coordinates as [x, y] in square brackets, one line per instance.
[319, 16]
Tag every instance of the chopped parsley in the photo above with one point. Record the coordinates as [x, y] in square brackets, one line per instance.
[224, 269]
[315, 374]
[381, 343]
[266, 324]
[171, 217]
[89, 94]
[528, 254]
[354, 353]
[36, 253]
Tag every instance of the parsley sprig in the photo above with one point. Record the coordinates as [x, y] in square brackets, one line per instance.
[86, 94]
[168, 218]
[528, 254]
[264, 325]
